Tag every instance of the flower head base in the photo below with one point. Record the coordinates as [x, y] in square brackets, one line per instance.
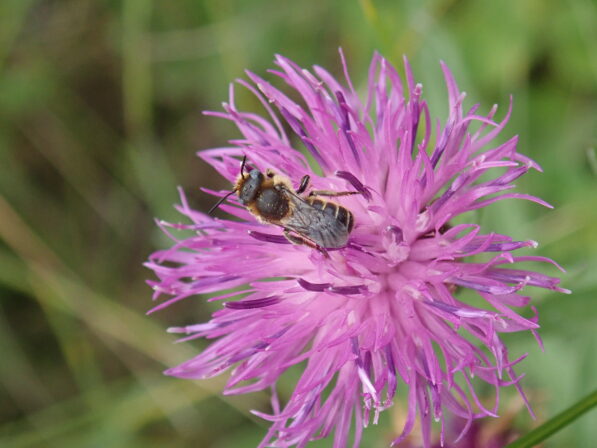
[379, 319]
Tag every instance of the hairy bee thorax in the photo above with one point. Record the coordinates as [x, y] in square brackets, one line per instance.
[265, 196]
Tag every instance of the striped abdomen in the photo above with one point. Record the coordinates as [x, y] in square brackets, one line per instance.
[341, 214]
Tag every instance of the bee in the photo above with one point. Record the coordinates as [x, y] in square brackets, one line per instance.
[306, 219]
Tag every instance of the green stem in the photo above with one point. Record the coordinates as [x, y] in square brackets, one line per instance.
[555, 424]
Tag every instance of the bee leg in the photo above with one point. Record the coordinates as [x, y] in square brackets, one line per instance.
[332, 193]
[304, 184]
[301, 240]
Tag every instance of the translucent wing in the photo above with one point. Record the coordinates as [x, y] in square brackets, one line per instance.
[318, 222]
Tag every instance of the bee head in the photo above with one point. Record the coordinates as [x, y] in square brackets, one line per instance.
[249, 186]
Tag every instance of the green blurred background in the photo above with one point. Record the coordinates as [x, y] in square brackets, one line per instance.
[100, 118]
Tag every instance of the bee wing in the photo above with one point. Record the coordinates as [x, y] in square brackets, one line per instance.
[315, 225]
[303, 216]
[293, 196]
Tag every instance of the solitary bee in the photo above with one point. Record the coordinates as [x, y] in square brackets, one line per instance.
[307, 220]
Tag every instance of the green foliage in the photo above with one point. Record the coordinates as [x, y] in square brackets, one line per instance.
[99, 121]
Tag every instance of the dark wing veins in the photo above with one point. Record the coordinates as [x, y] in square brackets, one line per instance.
[312, 223]
[304, 217]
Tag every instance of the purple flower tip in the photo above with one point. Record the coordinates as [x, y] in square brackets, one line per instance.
[379, 319]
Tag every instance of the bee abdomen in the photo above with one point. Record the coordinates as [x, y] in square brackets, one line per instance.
[345, 217]
[328, 208]
[336, 211]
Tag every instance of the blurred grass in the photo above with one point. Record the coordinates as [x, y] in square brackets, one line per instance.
[99, 121]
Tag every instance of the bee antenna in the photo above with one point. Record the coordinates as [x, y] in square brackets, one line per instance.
[242, 167]
[222, 199]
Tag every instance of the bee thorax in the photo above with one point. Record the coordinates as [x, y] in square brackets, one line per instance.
[272, 204]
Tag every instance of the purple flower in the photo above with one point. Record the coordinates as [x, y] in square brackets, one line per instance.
[379, 319]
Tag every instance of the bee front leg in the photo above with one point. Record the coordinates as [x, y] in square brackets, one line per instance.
[301, 240]
[304, 184]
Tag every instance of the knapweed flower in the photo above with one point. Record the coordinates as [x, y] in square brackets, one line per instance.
[380, 319]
